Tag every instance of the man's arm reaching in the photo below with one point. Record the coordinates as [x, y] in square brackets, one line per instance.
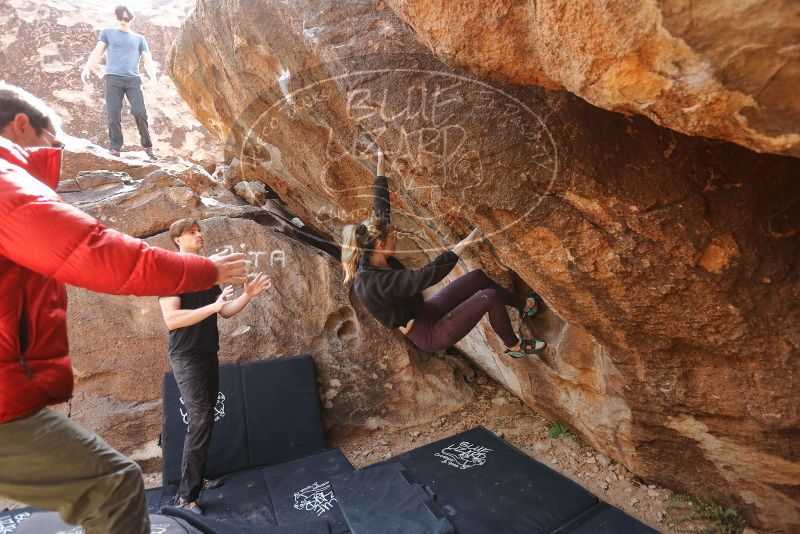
[52, 238]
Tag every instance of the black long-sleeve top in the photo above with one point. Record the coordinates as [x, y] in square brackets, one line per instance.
[394, 296]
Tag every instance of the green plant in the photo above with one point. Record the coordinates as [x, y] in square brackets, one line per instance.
[701, 516]
[499, 421]
[557, 430]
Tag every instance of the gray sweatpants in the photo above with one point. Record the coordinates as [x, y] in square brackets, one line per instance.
[47, 461]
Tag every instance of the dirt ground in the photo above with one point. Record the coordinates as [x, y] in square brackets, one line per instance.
[509, 418]
[499, 411]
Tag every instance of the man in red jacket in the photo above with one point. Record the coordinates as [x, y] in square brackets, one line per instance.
[46, 460]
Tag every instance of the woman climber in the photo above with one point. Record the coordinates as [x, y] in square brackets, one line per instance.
[393, 294]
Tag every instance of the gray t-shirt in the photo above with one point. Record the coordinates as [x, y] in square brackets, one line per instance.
[124, 51]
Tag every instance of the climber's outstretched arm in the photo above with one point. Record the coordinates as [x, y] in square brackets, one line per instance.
[381, 206]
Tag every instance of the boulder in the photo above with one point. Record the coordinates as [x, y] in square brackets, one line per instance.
[253, 192]
[668, 263]
[724, 70]
[147, 198]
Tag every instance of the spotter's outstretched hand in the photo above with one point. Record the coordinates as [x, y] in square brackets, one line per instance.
[231, 268]
[260, 282]
[223, 298]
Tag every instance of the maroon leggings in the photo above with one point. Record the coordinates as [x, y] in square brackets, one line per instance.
[454, 310]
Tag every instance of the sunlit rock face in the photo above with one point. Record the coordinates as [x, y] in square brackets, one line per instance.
[46, 43]
[140, 197]
[722, 69]
[668, 263]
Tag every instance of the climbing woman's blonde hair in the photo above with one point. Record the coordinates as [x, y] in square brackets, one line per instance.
[359, 239]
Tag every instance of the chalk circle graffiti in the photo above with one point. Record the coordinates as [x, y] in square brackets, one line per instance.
[464, 455]
[449, 139]
[219, 409]
[317, 498]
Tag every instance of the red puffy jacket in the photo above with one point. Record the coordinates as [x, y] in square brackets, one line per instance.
[44, 243]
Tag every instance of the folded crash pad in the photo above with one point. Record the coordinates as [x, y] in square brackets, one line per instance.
[266, 412]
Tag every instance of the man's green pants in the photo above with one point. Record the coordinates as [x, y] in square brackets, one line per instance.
[49, 462]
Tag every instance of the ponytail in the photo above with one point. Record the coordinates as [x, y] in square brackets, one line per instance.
[358, 240]
[351, 253]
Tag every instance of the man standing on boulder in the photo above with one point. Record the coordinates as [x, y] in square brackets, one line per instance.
[193, 344]
[46, 460]
[125, 49]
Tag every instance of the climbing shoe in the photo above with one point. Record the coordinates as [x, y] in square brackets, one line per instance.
[526, 348]
[192, 507]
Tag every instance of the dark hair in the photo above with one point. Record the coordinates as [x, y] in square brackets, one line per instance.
[15, 100]
[121, 10]
[177, 229]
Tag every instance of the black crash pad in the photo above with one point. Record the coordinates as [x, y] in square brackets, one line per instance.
[51, 523]
[11, 519]
[242, 499]
[210, 526]
[386, 499]
[300, 490]
[605, 519]
[267, 412]
[485, 485]
[154, 499]
[271, 496]
[282, 409]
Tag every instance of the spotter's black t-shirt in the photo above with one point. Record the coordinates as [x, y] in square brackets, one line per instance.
[202, 336]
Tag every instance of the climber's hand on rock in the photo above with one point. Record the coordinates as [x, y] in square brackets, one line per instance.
[475, 236]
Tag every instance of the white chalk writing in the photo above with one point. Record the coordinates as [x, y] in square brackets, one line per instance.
[317, 498]
[219, 409]
[464, 455]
